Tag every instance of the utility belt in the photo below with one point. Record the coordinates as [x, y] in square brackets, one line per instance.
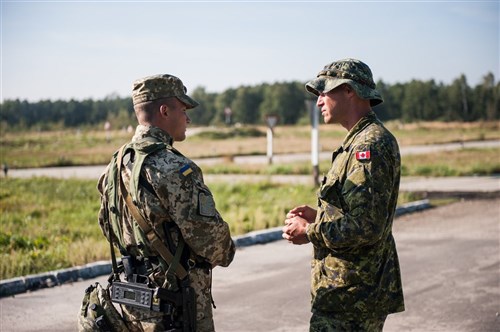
[147, 265]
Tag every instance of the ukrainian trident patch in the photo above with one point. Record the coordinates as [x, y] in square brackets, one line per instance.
[206, 204]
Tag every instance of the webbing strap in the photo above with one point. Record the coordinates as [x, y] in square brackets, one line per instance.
[150, 233]
[177, 258]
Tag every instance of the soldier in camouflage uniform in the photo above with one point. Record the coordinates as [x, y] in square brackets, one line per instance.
[174, 200]
[355, 277]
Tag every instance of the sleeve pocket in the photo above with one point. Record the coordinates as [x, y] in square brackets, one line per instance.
[206, 204]
[204, 201]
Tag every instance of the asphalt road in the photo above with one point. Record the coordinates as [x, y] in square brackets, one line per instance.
[450, 264]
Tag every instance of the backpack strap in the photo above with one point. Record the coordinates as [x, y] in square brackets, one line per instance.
[131, 201]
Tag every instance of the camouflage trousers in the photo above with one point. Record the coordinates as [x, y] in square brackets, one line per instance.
[330, 322]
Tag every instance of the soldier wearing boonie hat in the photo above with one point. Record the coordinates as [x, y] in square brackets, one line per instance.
[350, 71]
[355, 279]
[173, 200]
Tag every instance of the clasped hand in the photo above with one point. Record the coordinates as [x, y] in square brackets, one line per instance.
[296, 223]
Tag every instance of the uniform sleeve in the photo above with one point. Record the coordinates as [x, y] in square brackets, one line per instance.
[191, 206]
[357, 209]
[102, 216]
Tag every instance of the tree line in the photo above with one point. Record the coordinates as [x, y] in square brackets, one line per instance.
[408, 102]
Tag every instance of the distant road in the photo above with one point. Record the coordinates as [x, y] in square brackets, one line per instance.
[93, 172]
[408, 150]
[450, 269]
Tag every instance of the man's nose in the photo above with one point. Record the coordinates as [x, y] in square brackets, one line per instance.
[319, 102]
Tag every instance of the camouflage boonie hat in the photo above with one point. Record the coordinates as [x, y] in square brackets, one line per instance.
[161, 86]
[351, 71]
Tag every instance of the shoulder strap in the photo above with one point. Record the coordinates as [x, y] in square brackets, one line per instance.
[142, 149]
[150, 233]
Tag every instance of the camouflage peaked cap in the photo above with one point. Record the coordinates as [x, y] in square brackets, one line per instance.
[351, 71]
[161, 86]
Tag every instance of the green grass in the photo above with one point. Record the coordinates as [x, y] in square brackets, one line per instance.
[47, 224]
[248, 207]
[51, 224]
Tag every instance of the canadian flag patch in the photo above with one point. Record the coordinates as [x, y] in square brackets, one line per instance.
[363, 155]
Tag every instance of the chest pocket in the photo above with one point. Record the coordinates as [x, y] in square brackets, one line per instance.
[331, 193]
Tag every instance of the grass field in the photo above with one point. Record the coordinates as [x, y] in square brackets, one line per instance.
[50, 224]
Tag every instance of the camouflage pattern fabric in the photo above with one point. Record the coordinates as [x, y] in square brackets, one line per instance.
[350, 71]
[160, 86]
[97, 312]
[355, 269]
[180, 199]
[143, 321]
[337, 323]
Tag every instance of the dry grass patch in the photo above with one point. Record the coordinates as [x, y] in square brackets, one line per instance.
[73, 147]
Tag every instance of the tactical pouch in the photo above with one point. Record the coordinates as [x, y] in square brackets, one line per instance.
[188, 309]
[97, 312]
[185, 304]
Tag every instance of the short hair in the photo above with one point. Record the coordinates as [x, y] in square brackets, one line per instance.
[148, 109]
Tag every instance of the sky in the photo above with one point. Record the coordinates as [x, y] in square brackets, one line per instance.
[96, 49]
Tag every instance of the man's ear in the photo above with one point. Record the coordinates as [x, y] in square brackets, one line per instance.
[349, 89]
[163, 110]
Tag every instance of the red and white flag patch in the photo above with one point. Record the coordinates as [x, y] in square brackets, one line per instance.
[363, 155]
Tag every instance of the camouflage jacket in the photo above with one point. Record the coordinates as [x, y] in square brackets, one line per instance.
[176, 196]
[355, 269]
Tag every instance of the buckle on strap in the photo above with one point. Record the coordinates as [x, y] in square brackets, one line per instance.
[151, 235]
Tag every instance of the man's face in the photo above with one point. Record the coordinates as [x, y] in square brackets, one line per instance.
[331, 104]
[177, 120]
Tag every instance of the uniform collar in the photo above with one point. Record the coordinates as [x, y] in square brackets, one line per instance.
[143, 131]
[358, 127]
